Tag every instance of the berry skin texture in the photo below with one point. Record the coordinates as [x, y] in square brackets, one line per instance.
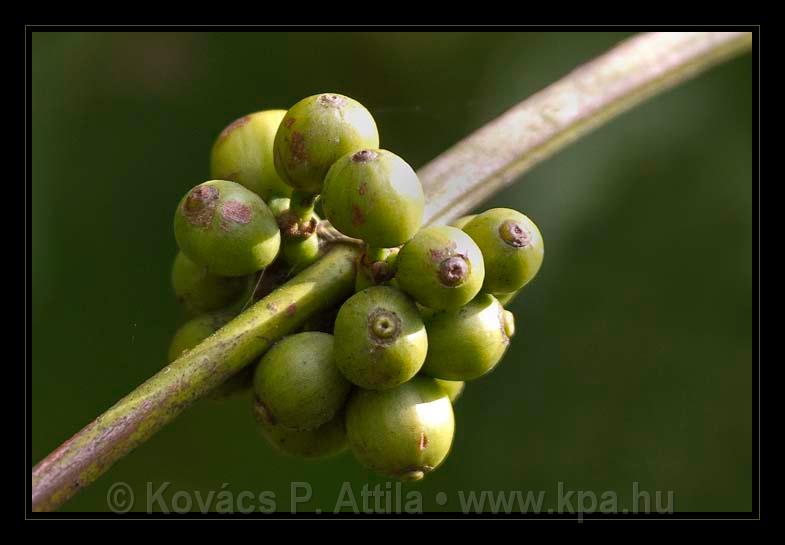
[226, 228]
[380, 338]
[323, 442]
[461, 222]
[315, 133]
[405, 432]
[199, 291]
[453, 388]
[374, 195]
[243, 153]
[298, 383]
[511, 245]
[467, 343]
[441, 267]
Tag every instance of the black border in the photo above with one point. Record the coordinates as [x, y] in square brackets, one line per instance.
[755, 514]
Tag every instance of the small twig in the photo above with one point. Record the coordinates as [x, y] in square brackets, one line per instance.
[330, 234]
[455, 182]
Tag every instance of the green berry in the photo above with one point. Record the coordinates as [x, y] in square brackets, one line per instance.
[374, 195]
[380, 339]
[466, 343]
[441, 267]
[405, 432]
[278, 205]
[511, 245]
[315, 133]
[453, 388]
[327, 440]
[300, 252]
[461, 222]
[243, 153]
[298, 382]
[226, 228]
[199, 291]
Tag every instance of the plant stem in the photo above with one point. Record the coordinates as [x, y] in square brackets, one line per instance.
[455, 182]
[499, 152]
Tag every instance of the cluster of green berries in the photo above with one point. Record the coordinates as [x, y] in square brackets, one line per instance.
[381, 374]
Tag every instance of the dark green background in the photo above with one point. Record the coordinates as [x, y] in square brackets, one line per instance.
[633, 357]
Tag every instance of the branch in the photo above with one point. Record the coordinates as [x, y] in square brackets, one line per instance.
[492, 157]
[455, 182]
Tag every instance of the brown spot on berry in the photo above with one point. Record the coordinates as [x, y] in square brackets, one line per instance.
[297, 147]
[381, 272]
[423, 440]
[514, 234]
[364, 156]
[289, 122]
[453, 271]
[236, 212]
[358, 218]
[363, 188]
[333, 100]
[236, 124]
[291, 310]
[199, 205]
[440, 254]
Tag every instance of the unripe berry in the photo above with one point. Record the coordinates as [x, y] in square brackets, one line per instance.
[441, 267]
[374, 195]
[512, 248]
[315, 133]
[327, 440]
[453, 388]
[226, 228]
[380, 339]
[243, 153]
[199, 291]
[405, 432]
[300, 252]
[467, 343]
[298, 383]
[278, 205]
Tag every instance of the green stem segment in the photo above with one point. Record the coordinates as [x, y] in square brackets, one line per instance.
[455, 182]
[373, 254]
[136, 417]
[301, 205]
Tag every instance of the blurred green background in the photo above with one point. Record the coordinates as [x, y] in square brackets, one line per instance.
[633, 357]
